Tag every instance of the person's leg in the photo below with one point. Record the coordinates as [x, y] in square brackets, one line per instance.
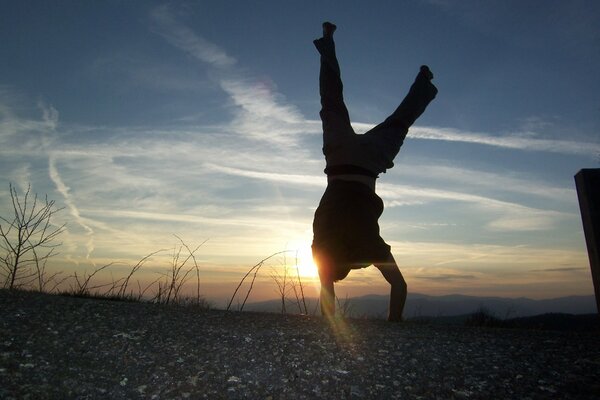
[421, 93]
[390, 134]
[398, 291]
[334, 114]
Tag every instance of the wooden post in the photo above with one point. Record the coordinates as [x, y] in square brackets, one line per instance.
[588, 191]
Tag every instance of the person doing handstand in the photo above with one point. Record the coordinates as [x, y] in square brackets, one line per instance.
[345, 227]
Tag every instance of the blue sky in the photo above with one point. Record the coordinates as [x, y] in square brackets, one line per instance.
[200, 119]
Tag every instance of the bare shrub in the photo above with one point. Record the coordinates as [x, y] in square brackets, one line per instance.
[281, 281]
[483, 317]
[27, 241]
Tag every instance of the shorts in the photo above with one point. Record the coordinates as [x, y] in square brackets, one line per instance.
[346, 229]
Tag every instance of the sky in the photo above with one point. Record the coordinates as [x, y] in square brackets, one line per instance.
[149, 121]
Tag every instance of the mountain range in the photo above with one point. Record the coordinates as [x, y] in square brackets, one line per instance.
[421, 306]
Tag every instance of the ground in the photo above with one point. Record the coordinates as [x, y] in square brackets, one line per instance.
[58, 347]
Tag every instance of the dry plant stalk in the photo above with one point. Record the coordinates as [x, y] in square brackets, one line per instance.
[284, 282]
[81, 288]
[169, 289]
[255, 268]
[169, 284]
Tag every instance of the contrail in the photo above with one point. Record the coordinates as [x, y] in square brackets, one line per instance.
[64, 191]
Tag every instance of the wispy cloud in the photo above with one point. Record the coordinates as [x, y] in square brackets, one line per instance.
[143, 183]
[18, 133]
[505, 216]
[525, 141]
[187, 218]
[67, 198]
[483, 180]
[187, 40]
[445, 277]
[259, 112]
[435, 258]
[521, 141]
[292, 179]
[261, 116]
[568, 269]
[122, 72]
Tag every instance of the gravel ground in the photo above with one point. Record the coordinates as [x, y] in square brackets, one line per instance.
[54, 347]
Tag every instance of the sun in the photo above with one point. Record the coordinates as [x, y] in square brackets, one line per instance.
[307, 269]
[304, 261]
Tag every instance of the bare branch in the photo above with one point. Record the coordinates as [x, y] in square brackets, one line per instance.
[23, 239]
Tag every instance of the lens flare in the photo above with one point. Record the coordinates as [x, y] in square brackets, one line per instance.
[304, 260]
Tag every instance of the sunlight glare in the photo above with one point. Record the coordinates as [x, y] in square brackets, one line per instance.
[306, 265]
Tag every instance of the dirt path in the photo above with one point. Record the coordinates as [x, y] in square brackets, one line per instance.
[58, 347]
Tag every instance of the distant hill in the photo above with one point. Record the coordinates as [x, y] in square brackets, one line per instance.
[420, 305]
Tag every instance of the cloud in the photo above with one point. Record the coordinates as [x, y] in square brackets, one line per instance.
[464, 177]
[445, 277]
[524, 141]
[24, 134]
[134, 184]
[507, 216]
[426, 226]
[185, 39]
[64, 191]
[569, 269]
[293, 179]
[524, 219]
[503, 215]
[259, 111]
[32, 139]
[49, 116]
[437, 258]
[125, 72]
[188, 218]
[261, 116]
[518, 141]
[21, 175]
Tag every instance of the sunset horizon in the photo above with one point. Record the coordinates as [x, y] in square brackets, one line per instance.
[154, 125]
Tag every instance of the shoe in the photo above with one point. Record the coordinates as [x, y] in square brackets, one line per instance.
[426, 72]
[423, 80]
[328, 29]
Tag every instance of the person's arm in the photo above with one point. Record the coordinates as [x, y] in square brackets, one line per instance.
[398, 290]
[327, 297]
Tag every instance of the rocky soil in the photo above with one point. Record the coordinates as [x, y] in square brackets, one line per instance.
[54, 347]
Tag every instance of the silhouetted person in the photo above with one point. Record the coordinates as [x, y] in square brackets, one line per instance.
[346, 231]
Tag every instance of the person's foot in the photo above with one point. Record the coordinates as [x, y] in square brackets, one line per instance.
[426, 72]
[325, 44]
[328, 29]
[424, 78]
